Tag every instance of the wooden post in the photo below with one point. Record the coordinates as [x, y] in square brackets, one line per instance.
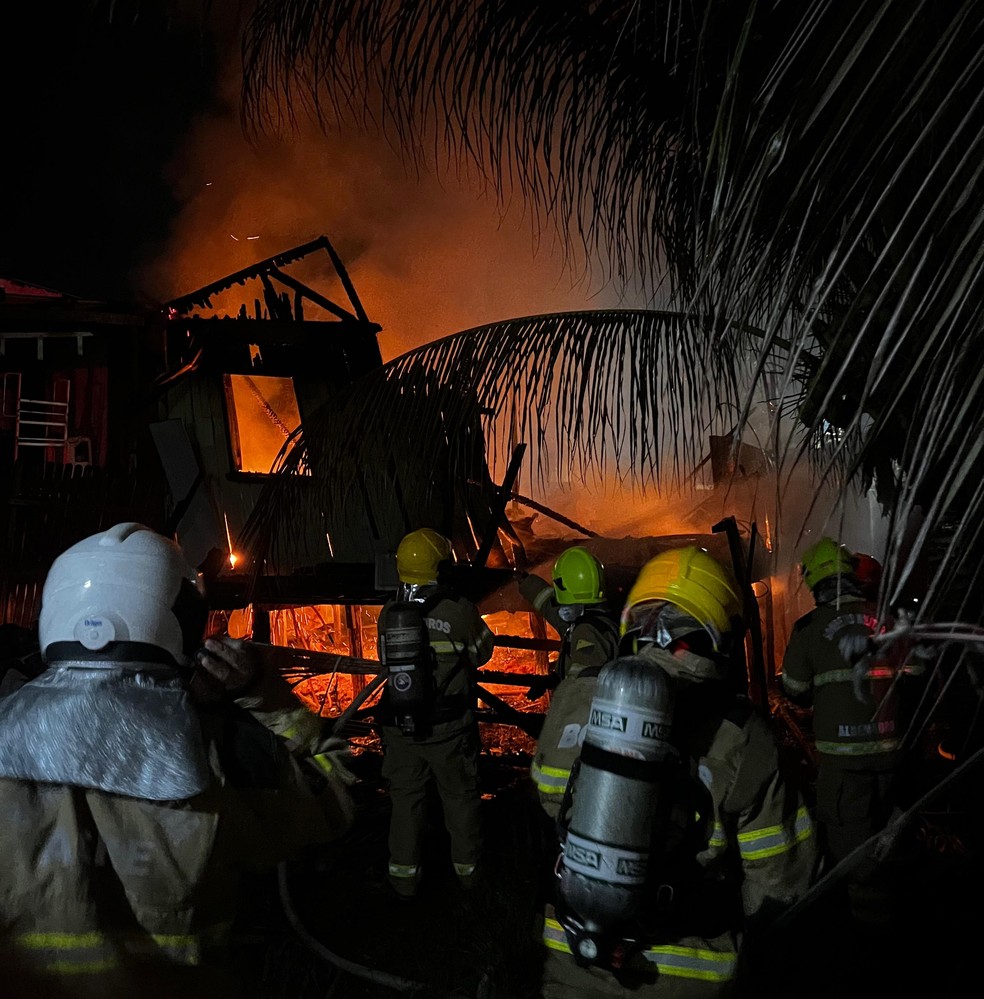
[261, 625]
[355, 644]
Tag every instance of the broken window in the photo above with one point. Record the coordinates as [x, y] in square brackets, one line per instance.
[262, 414]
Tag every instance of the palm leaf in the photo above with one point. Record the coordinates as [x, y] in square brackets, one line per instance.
[613, 395]
[809, 171]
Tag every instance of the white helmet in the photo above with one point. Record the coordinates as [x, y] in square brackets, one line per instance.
[127, 584]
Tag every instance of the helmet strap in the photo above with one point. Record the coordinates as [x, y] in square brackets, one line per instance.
[114, 653]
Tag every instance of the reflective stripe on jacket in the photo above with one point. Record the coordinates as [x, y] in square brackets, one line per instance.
[93, 881]
[93, 952]
[855, 701]
[694, 959]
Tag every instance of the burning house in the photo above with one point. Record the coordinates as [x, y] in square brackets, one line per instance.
[188, 417]
[176, 416]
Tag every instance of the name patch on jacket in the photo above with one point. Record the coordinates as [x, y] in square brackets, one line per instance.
[869, 728]
[436, 624]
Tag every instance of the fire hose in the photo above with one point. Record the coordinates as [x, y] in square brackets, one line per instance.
[317, 948]
[396, 982]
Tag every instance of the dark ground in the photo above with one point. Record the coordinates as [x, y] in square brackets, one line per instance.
[482, 944]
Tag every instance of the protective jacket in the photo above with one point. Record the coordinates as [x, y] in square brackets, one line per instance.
[738, 848]
[854, 697]
[856, 690]
[562, 736]
[590, 641]
[461, 641]
[111, 893]
[447, 750]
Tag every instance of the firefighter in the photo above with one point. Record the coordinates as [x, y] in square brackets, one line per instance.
[855, 733]
[137, 794]
[575, 606]
[680, 834]
[440, 744]
[853, 688]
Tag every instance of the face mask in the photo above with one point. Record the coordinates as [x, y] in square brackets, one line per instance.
[411, 592]
[569, 613]
[683, 664]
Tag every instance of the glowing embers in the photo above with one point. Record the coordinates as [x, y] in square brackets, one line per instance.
[346, 630]
[515, 626]
[233, 557]
[262, 412]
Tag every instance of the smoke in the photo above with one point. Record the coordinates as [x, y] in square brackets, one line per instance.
[427, 258]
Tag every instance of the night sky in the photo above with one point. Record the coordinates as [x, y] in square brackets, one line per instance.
[128, 177]
[93, 108]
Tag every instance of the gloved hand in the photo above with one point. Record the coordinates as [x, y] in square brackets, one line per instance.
[332, 759]
[225, 666]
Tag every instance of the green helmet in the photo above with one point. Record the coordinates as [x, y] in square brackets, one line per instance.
[824, 559]
[578, 578]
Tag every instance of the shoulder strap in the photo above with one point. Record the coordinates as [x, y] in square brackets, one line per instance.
[805, 621]
[589, 672]
[434, 599]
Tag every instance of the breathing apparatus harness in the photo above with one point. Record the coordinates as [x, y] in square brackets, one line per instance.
[614, 813]
[632, 818]
[594, 616]
[411, 697]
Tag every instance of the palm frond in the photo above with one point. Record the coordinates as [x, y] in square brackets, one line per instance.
[607, 395]
[810, 171]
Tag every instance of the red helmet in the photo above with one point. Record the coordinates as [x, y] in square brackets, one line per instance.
[868, 572]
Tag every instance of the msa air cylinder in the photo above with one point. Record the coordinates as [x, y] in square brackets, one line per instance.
[615, 795]
[404, 649]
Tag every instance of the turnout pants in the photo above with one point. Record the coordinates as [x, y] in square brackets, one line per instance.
[449, 757]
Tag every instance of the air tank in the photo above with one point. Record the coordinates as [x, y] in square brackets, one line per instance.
[615, 798]
[404, 648]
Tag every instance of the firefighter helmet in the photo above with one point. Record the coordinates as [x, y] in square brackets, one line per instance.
[868, 572]
[578, 577]
[824, 559]
[127, 584]
[695, 583]
[419, 554]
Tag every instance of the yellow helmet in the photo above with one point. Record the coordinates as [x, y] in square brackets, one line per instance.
[693, 581]
[419, 554]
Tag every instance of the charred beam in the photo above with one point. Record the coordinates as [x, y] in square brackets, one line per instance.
[326, 303]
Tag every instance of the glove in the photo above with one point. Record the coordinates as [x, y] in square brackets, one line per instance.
[332, 759]
[225, 666]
